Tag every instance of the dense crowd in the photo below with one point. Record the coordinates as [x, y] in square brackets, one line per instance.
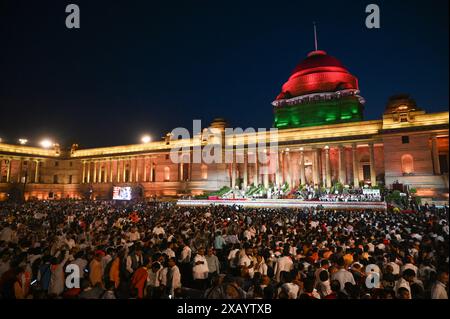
[350, 198]
[309, 192]
[158, 250]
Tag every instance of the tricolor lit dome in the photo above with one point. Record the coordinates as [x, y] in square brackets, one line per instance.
[319, 72]
[320, 91]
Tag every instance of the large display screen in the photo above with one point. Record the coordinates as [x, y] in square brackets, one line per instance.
[122, 193]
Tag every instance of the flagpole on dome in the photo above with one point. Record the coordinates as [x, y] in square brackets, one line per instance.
[315, 36]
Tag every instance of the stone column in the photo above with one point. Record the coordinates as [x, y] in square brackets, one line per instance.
[435, 153]
[316, 176]
[256, 175]
[110, 170]
[136, 175]
[287, 159]
[124, 170]
[233, 170]
[145, 169]
[83, 175]
[131, 174]
[117, 170]
[19, 173]
[180, 170]
[302, 167]
[151, 170]
[282, 167]
[100, 174]
[245, 171]
[36, 172]
[327, 167]
[373, 172]
[8, 171]
[355, 165]
[191, 159]
[277, 168]
[95, 172]
[89, 172]
[266, 175]
[342, 173]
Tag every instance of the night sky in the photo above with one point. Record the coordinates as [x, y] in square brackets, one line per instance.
[139, 67]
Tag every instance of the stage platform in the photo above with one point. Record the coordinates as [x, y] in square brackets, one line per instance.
[285, 203]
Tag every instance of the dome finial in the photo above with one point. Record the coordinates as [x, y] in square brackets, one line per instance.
[315, 36]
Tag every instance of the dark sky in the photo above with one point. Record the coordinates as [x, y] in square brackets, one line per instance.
[139, 67]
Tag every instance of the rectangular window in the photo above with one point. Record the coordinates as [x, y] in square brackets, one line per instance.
[70, 179]
[70, 164]
[56, 163]
[55, 179]
[405, 139]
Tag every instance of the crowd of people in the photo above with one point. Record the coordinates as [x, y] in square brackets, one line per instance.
[310, 192]
[350, 198]
[154, 250]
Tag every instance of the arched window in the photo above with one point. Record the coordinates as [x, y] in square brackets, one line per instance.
[166, 174]
[407, 164]
[204, 171]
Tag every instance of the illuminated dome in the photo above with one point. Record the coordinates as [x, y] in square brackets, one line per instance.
[319, 72]
[401, 103]
[320, 91]
[218, 122]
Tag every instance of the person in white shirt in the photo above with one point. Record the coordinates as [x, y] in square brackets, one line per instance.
[134, 260]
[157, 230]
[283, 263]
[261, 265]
[395, 266]
[70, 242]
[233, 258]
[134, 235]
[185, 255]
[246, 263]
[7, 234]
[324, 286]
[81, 262]
[409, 266]
[153, 280]
[200, 269]
[405, 282]
[173, 277]
[324, 265]
[169, 251]
[292, 290]
[343, 275]
[439, 289]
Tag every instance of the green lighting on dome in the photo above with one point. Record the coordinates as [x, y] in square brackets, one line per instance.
[317, 113]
